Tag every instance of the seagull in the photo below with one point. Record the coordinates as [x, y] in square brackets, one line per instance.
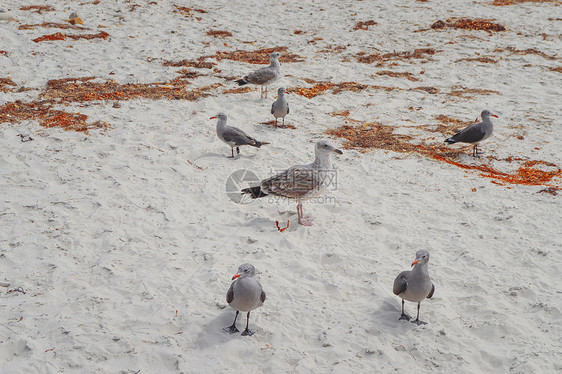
[475, 133]
[233, 136]
[264, 76]
[301, 182]
[245, 294]
[280, 107]
[414, 285]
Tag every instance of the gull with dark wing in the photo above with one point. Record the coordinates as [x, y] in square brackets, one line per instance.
[233, 136]
[300, 182]
[414, 285]
[264, 76]
[475, 133]
[244, 295]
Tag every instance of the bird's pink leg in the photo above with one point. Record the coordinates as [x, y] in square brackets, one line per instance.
[305, 221]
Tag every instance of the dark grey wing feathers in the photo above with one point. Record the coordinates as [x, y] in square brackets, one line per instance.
[230, 294]
[471, 134]
[237, 136]
[262, 296]
[400, 283]
[432, 291]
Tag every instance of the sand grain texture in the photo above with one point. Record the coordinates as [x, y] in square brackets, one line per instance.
[124, 240]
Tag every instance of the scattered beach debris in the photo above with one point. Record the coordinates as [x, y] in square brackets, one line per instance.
[272, 124]
[281, 229]
[395, 74]
[485, 60]
[550, 190]
[527, 51]
[61, 36]
[51, 25]
[219, 33]
[6, 85]
[240, 90]
[514, 2]
[25, 138]
[38, 8]
[468, 24]
[74, 19]
[418, 54]
[366, 136]
[186, 11]
[364, 25]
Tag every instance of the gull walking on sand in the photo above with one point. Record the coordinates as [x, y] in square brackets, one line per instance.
[264, 76]
[300, 182]
[414, 285]
[233, 136]
[245, 294]
[280, 107]
[475, 133]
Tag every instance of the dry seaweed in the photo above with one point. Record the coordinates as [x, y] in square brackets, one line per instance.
[468, 24]
[550, 190]
[364, 25]
[38, 8]
[83, 89]
[395, 74]
[468, 93]
[527, 51]
[200, 63]
[485, 60]
[272, 123]
[513, 2]
[373, 135]
[420, 53]
[6, 84]
[259, 56]
[52, 25]
[219, 33]
[61, 36]
[238, 90]
[44, 113]
[186, 11]
[430, 90]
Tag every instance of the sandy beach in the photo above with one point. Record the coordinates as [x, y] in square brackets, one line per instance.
[119, 235]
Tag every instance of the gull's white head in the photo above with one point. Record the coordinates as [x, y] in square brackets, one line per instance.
[324, 146]
[274, 56]
[282, 91]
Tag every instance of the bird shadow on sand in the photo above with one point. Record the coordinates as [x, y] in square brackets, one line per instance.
[213, 334]
[386, 318]
[224, 155]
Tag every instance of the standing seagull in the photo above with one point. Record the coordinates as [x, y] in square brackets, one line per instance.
[245, 294]
[280, 107]
[264, 76]
[414, 285]
[475, 133]
[233, 136]
[301, 182]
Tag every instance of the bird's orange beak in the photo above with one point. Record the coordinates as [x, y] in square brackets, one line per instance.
[235, 276]
[287, 92]
[212, 117]
[493, 115]
[415, 262]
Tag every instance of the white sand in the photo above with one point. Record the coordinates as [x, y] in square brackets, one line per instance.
[126, 250]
